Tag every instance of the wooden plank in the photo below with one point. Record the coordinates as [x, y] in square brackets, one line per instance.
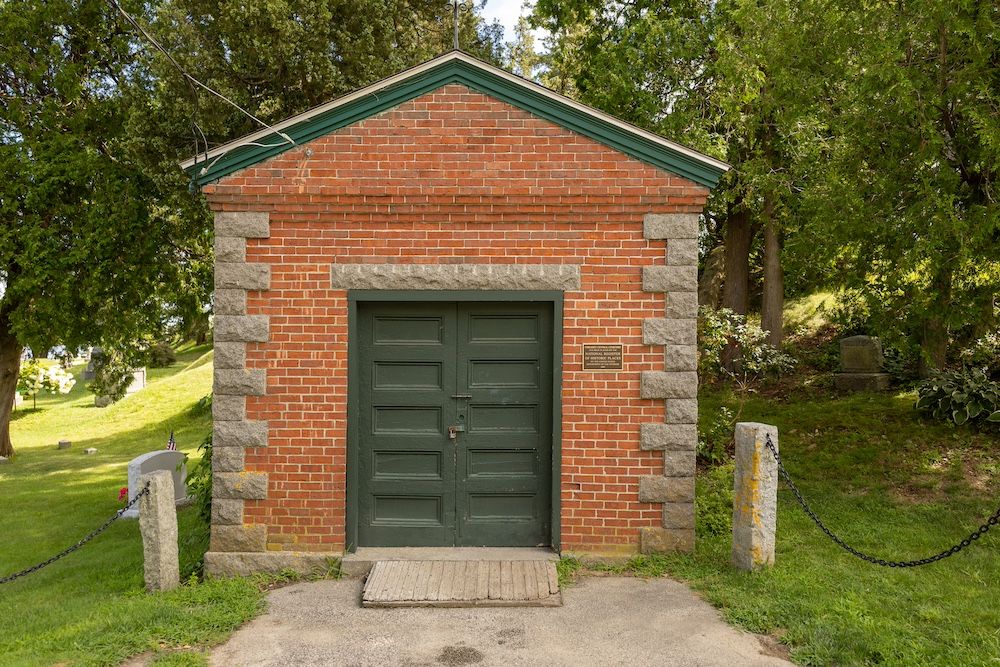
[410, 581]
[423, 578]
[553, 578]
[447, 579]
[517, 574]
[434, 584]
[530, 580]
[399, 579]
[495, 580]
[506, 583]
[385, 585]
[471, 579]
[373, 583]
[483, 580]
[542, 579]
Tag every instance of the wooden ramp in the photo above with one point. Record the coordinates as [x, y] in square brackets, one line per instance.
[473, 583]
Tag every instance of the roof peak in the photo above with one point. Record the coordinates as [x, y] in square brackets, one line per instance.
[455, 66]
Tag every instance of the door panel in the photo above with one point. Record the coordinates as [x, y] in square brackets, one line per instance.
[484, 368]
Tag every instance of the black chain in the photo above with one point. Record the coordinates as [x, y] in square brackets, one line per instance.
[68, 551]
[975, 535]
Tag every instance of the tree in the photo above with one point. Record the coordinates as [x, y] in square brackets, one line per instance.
[912, 201]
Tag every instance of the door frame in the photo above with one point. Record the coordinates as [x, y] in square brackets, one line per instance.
[352, 488]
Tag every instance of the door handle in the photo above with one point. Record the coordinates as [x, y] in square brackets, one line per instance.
[462, 396]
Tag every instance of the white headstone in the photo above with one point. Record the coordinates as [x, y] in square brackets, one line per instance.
[164, 459]
[138, 381]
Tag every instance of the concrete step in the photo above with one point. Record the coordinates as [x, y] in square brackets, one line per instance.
[359, 563]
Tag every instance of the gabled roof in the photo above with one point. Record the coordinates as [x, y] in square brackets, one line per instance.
[456, 67]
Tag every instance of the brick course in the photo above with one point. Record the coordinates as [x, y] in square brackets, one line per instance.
[452, 177]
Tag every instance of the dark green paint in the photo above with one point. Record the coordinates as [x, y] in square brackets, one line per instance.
[490, 486]
[484, 81]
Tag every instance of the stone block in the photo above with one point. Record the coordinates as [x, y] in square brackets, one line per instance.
[227, 512]
[669, 331]
[90, 451]
[682, 252]
[671, 437]
[658, 384]
[241, 564]
[861, 354]
[682, 305]
[670, 226]
[228, 459]
[236, 275]
[230, 302]
[681, 411]
[158, 525]
[64, 444]
[658, 489]
[229, 408]
[240, 434]
[666, 540]
[238, 538]
[230, 249]
[242, 328]
[755, 496]
[679, 463]
[680, 358]
[237, 382]
[564, 277]
[245, 485]
[248, 224]
[230, 354]
[678, 515]
[670, 279]
[862, 381]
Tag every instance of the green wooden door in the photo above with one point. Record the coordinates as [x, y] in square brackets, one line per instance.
[455, 424]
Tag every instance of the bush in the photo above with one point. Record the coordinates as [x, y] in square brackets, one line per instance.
[161, 355]
[714, 441]
[714, 501]
[850, 314]
[199, 483]
[756, 358]
[112, 375]
[984, 354]
[965, 396]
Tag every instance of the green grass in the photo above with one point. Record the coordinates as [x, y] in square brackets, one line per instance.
[90, 608]
[890, 484]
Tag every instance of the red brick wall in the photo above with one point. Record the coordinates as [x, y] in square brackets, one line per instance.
[453, 177]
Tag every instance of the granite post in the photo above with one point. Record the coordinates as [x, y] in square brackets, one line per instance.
[755, 497]
[158, 525]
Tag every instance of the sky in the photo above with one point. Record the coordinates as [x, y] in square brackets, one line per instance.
[505, 11]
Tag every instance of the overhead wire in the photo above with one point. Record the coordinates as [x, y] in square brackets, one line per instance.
[191, 81]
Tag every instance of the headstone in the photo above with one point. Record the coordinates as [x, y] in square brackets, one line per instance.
[167, 460]
[18, 399]
[65, 444]
[755, 496]
[158, 525]
[861, 365]
[96, 355]
[4, 459]
[90, 450]
[138, 381]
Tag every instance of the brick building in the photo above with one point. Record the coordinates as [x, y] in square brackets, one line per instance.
[455, 309]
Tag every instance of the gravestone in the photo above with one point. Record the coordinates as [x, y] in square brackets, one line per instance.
[65, 444]
[96, 354]
[138, 380]
[18, 399]
[861, 365]
[164, 459]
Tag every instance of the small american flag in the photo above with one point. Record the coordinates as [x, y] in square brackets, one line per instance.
[171, 443]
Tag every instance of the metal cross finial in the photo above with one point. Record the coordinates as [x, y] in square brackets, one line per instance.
[457, 5]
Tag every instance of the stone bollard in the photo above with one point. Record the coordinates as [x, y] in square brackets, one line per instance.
[755, 497]
[158, 525]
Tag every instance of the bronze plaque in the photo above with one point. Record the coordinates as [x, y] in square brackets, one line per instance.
[602, 357]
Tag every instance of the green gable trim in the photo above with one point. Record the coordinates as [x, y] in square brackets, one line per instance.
[488, 83]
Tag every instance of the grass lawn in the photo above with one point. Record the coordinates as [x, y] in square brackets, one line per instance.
[890, 484]
[90, 608]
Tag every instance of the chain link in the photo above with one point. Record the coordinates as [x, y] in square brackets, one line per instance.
[89, 537]
[975, 535]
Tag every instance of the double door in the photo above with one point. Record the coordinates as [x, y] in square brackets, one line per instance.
[455, 424]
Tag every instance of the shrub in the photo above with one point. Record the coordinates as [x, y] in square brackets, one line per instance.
[112, 376]
[755, 359]
[199, 483]
[984, 353]
[714, 440]
[965, 396]
[714, 501]
[161, 355]
[33, 378]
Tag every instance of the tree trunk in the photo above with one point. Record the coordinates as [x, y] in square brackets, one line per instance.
[934, 340]
[10, 364]
[773, 304]
[712, 278]
[739, 236]
[735, 291]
